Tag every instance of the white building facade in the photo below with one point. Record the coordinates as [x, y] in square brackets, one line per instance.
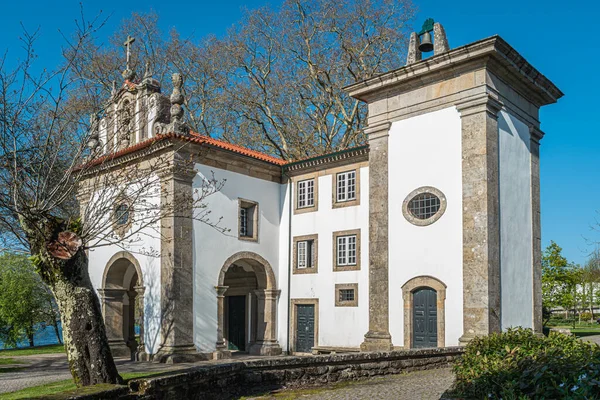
[427, 236]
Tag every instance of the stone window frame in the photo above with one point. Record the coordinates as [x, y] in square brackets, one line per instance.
[122, 229]
[356, 267]
[346, 203]
[315, 268]
[424, 222]
[315, 207]
[346, 303]
[245, 203]
[294, 321]
[408, 289]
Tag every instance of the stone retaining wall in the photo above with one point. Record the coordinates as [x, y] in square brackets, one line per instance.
[226, 381]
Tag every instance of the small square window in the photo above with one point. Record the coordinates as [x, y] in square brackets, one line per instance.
[346, 295]
[248, 220]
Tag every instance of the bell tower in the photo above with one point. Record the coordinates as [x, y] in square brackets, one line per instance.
[465, 123]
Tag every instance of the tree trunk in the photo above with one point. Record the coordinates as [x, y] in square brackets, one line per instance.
[30, 337]
[84, 333]
[62, 263]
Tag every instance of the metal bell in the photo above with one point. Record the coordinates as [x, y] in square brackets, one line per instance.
[426, 46]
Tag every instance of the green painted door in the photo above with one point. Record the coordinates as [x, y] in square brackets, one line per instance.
[237, 322]
[305, 325]
[425, 318]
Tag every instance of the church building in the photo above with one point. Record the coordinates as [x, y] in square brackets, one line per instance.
[426, 236]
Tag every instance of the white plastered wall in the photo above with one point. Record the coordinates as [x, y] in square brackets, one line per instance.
[516, 278]
[144, 246]
[212, 249]
[426, 151]
[338, 326]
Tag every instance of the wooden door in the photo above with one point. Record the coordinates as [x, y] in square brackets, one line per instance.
[305, 328]
[236, 319]
[425, 318]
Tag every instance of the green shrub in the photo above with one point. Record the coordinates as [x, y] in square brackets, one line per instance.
[585, 316]
[518, 364]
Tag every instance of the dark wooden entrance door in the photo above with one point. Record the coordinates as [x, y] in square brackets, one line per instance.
[305, 328]
[236, 320]
[424, 318]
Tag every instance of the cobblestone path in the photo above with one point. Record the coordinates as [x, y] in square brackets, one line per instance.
[420, 385]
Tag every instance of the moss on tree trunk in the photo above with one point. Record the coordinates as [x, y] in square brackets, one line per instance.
[84, 333]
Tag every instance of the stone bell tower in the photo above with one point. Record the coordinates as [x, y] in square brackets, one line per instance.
[473, 113]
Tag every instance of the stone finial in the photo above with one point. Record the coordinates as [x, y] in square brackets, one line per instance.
[414, 54]
[176, 123]
[113, 92]
[148, 70]
[440, 42]
[94, 136]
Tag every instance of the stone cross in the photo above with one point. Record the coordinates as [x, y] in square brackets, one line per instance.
[128, 44]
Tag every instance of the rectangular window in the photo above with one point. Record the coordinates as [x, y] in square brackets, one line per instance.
[248, 220]
[306, 254]
[346, 186]
[346, 250]
[346, 295]
[306, 193]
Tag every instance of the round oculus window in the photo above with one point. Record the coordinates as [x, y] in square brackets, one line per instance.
[424, 206]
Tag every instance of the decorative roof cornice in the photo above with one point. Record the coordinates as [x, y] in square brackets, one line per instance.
[318, 161]
[493, 48]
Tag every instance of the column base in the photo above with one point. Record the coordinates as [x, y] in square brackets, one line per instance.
[119, 348]
[377, 341]
[466, 338]
[265, 349]
[141, 355]
[221, 354]
[179, 354]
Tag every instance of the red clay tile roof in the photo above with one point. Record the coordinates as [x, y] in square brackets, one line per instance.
[194, 138]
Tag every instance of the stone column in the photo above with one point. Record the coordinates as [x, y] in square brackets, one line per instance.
[536, 253]
[177, 277]
[112, 308]
[221, 347]
[378, 337]
[481, 216]
[140, 354]
[266, 341]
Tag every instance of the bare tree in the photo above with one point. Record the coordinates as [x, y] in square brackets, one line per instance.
[49, 154]
[274, 82]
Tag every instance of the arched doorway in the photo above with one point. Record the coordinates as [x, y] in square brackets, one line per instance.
[122, 306]
[424, 312]
[247, 306]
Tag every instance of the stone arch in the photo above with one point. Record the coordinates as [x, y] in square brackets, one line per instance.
[258, 294]
[408, 289]
[268, 280]
[122, 293]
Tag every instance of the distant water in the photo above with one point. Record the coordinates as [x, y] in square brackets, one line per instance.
[41, 337]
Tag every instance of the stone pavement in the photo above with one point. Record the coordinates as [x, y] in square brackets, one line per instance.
[419, 385]
[593, 339]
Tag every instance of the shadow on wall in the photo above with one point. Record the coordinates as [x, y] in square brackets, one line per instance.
[152, 307]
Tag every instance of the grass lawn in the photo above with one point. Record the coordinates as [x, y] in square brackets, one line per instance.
[62, 389]
[51, 349]
[581, 330]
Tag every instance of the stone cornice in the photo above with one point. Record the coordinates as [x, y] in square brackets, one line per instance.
[493, 52]
[377, 131]
[355, 154]
[536, 134]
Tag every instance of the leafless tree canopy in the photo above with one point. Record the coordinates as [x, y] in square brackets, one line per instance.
[274, 82]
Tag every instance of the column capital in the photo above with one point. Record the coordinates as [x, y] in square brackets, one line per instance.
[140, 290]
[112, 294]
[536, 134]
[221, 290]
[484, 102]
[267, 293]
[378, 131]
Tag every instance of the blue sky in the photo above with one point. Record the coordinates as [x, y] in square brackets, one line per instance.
[557, 37]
